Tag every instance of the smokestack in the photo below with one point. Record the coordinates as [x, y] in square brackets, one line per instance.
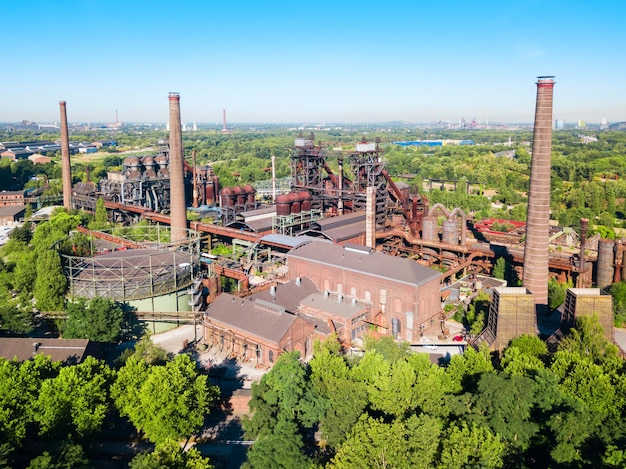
[66, 168]
[536, 253]
[370, 216]
[178, 206]
[195, 182]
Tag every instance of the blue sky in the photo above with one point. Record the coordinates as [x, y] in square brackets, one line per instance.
[311, 62]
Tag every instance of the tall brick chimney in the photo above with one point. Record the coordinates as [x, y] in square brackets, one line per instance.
[66, 168]
[536, 254]
[178, 205]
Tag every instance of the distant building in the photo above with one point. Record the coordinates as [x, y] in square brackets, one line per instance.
[11, 198]
[68, 351]
[11, 214]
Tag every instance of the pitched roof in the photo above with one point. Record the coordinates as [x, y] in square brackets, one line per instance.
[256, 317]
[365, 260]
[288, 295]
[69, 351]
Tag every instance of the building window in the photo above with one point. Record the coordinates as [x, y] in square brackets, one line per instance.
[409, 326]
[353, 292]
[368, 295]
[339, 288]
[270, 356]
[326, 285]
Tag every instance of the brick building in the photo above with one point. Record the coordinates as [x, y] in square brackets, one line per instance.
[404, 295]
[11, 198]
[256, 330]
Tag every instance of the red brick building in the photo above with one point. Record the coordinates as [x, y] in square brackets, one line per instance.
[255, 329]
[404, 295]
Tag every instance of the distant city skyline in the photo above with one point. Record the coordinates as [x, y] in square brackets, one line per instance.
[312, 62]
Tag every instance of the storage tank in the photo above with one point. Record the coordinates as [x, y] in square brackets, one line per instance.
[305, 201]
[604, 266]
[250, 194]
[227, 198]
[294, 198]
[450, 232]
[240, 195]
[429, 229]
[283, 205]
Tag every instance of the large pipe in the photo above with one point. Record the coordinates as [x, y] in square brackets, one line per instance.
[178, 206]
[536, 252]
[66, 168]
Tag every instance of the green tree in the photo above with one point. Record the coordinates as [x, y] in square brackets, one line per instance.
[19, 388]
[168, 401]
[169, 455]
[618, 292]
[341, 395]
[465, 446]
[76, 401]
[101, 219]
[100, 319]
[281, 448]
[50, 285]
[67, 455]
[373, 443]
[499, 268]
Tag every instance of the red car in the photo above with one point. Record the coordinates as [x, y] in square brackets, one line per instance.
[457, 338]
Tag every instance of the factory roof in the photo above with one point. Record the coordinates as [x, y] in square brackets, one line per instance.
[289, 295]
[287, 241]
[69, 351]
[362, 259]
[11, 210]
[340, 228]
[334, 304]
[256, 317]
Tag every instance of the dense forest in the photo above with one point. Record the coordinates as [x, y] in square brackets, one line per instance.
[390, 408]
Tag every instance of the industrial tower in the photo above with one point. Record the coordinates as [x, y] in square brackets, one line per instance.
[178, 206]
[536, 253]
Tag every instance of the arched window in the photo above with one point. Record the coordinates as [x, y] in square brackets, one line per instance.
[368, 295]
[353, 291]
[270, 355]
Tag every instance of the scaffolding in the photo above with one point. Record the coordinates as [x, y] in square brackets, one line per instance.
[153, 268]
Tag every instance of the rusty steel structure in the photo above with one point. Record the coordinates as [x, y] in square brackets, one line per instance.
[178, 206]
[536, 251]
[66, 169]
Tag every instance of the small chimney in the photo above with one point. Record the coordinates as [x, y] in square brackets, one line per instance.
[326, 293]
[298, 281]
[273, 290]
[339, 298]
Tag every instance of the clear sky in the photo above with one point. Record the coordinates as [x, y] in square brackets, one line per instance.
[311, 62]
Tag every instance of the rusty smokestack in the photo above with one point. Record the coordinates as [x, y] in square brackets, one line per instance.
[178, 206]
[195, 182]
[370, 216]
[536, 253]
[66, 168]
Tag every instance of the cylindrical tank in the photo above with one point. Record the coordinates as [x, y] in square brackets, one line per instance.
[604, 265]
[305, 201]
[294, 198]
[250, 193]
[239, 195]
[283, 205]
[216, 187]
[450, 232]
[429, 229]
[227, 198]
